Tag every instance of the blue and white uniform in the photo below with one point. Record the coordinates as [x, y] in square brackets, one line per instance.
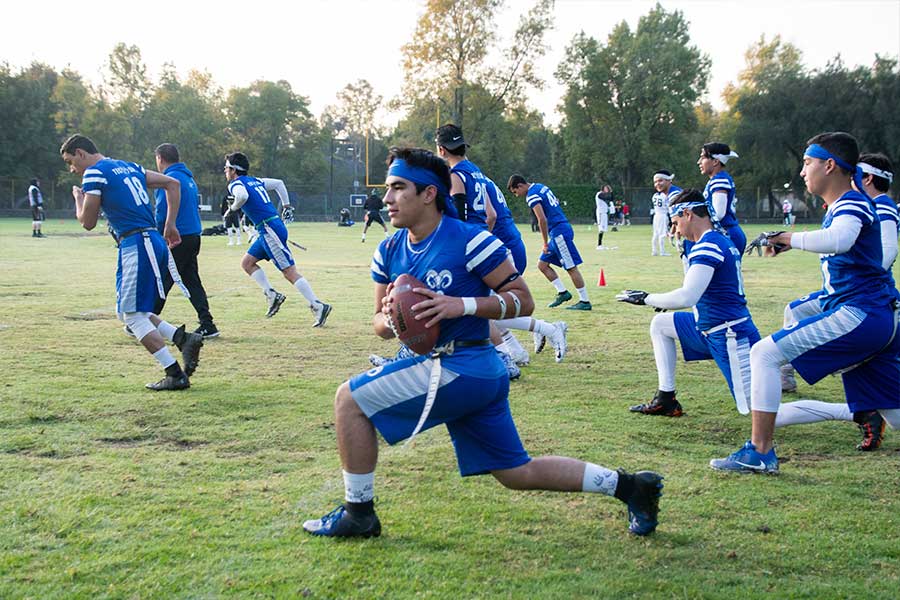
[477, 186]
[720, 327]
[143, 253]
[561, 250]
[722, 182]
[471, 398]
[890, 228]
[854, 319]
[505, 229]
[271, 244]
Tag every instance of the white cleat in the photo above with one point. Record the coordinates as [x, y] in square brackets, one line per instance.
[559, 341]
[539, 342]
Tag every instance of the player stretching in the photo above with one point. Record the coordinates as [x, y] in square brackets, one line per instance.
[559, 247]
[720, 327]
[471, 387]
[271, 244]
[665, 192]
[719, 191]
[119, 189]
[877, 175]
[855, 332]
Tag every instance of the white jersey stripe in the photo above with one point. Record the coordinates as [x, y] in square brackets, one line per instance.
[484, 254]
[476, 241]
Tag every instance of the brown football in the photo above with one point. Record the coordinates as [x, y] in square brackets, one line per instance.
[412, 333]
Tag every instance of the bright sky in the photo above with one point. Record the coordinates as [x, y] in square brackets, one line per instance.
[320, 45]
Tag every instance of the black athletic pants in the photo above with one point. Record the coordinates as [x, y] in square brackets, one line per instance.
[185, 255]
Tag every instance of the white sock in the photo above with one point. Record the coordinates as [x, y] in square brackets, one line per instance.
[811, 411]
[512, 343]
[789, 318]
[259, 276]
[520, 323]
[303, 287]
[164, 357]
[765, 375]
[359, 487]
[364, 236]
[663, 336]
[582, 294]
[167, 330]
[558, 285]
[544, 328]
[599, 479]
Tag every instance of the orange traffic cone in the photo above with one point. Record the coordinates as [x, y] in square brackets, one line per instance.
[601, 281]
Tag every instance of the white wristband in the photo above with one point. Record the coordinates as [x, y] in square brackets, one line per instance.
[469, 305]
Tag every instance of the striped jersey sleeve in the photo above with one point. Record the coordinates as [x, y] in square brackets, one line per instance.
[856, 207]
[533, 199]
[484, 253]
[887, 210]
[380, 271]
[93, 181]
[706, 253]
[720, 185]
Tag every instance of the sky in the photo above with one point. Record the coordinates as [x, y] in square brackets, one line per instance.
[319, 46]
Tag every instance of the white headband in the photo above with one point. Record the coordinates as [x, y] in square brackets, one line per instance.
[235, 167]
[663, 176]
[723, 158]
[867, 168]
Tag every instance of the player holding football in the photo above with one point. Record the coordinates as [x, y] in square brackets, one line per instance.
[271, 244]
[119, 189]
[720, 191]
[720, 328]
[559, 246]
[855, 332]
[462, 384]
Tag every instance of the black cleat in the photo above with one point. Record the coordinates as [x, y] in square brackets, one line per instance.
[275, 303]
[170, 383]
[871, 425]
[643, 502]
[342, 523]
[320, 311]
[659, 407]
[560, 298]
[207, 331]
[189, 344]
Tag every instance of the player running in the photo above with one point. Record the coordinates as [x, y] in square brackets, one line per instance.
[271, 244]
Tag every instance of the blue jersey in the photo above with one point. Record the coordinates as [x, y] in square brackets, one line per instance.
[258, 207]
[452, 260]
[122, 187]
[724, 298]
[478, 186]
[504, 228]
[674, 190]
[539, 193]
[188, 219]
[887, 210]
[722, 182]
[856, 277]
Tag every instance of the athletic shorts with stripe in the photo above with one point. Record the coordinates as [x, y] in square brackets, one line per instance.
[143, 257]
[271, 244]
[561, 250]
[475, 410]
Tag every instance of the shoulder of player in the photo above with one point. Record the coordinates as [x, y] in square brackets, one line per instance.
[712, 245]
[853, 203]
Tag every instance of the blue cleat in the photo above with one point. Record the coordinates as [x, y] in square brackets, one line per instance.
[342, 523]
[643, 503]
[747, 460]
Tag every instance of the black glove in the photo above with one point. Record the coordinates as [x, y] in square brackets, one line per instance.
[632, 297]
[763, 240]
[287, 214]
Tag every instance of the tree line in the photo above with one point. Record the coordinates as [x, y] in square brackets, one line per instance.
[631, 104]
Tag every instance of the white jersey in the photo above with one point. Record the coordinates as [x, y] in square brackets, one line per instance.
[35, 198]
[660, 202]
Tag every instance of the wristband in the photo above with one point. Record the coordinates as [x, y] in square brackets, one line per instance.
[469, 305]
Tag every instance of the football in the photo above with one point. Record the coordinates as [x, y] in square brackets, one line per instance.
[410, 332]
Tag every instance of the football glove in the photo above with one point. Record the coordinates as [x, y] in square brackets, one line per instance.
[763, 240]
[632, 297]
[287, 214]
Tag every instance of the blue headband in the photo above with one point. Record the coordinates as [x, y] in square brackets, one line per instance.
[676, 210]
[817, 151]
[400, 168]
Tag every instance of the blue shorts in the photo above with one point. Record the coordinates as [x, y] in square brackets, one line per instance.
[806, 306]
[737, 237]
[143, 258]
[272, 245]
[519, 256]
[837, 339]
[561, 250]
[734, 362]
[475, 411]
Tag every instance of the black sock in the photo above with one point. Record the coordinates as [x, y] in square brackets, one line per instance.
[625, 486]
[178, 337]
[665, 397]
[600, 239]
[174, 370]
[360, 508]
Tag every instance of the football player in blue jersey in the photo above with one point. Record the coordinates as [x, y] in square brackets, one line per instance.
[720, 190]
[461, 383]
[485, 206]
[855, 333]
[119, 188]
[720, 327]
[559, 245]
[877, 175]
[250, 196]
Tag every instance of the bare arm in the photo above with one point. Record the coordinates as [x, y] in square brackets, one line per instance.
[87, 207]
[382, 310]
[490, 212]
[173, 201]
[542, 222]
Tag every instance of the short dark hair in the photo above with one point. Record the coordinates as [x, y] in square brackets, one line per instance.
[879, 161]
[691, 195]
[710, 148]
[515, 180]
[843, 145]
[75, 142]
[419, 157]
[35, 181]
[168, 152]
[239, 160]
[450, 137]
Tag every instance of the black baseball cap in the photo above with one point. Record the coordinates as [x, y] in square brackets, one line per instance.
[450, 137]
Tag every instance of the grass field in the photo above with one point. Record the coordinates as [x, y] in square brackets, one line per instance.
[111, 491]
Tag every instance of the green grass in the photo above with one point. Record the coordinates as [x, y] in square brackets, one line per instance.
[111, 491]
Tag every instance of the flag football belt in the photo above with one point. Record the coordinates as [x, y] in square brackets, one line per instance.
[173, 269]
[259, 226]
[720, 327]
[731, 347]
[134, 231]
[435, 378]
